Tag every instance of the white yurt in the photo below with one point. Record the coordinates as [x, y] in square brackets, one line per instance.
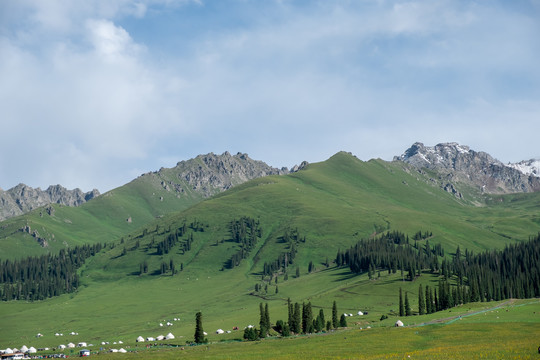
[399, 323]
[39, 335]
[360, 313]
[220, 331]
[61, 346]
[169, 336]
[8, 351]
[71, 345]
[120, 342]
[113, 350]
[149, 339]
[140, 339]
[24, 348]
[122, 350]
[32, 350]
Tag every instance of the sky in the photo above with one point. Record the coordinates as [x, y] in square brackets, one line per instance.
[94, 93]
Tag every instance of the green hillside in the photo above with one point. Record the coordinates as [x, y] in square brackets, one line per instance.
[324, 208]
[104, 218]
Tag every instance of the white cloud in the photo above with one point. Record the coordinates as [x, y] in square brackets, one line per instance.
[93, 104]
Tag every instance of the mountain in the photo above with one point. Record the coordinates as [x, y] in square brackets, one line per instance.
[528, 167]
[22, 198]
[243, 246]
[119, 211]
[457, 165]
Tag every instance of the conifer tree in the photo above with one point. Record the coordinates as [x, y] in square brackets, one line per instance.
[296, 325]
[401, 306]
[421, 301]
[199, 332]
[408, 311]
[343, 321]
[334, 315]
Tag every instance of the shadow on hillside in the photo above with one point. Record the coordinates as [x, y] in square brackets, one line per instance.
[344, 274]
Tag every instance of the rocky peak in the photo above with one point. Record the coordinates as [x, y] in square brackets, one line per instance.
[458, 163]
[210, 174]
[527, 167]
[23, 198]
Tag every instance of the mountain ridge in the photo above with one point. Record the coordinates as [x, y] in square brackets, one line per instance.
[457, 164]
[22, 198]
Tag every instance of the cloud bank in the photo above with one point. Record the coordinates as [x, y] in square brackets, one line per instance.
[96, 93]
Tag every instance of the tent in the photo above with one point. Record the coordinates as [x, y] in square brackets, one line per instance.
[113, 350]
[8, 351]
[32, 350]
[82, 344]
[71, 345]
[360, 313]
[122, 350]
[84, 352]
[62, 346]
[140, 339]
[160, 337]
[149, 339]
[399, 323]
[169, 336]
[24, 348]
[220, 331]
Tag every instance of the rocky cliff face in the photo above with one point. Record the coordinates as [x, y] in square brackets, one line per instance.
[457, 163]
[210, 174]
[22, 198]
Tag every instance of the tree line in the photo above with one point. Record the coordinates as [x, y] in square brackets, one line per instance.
[45, 276]
[301, 320]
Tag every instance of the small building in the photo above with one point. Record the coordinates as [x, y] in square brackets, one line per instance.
[84, 352]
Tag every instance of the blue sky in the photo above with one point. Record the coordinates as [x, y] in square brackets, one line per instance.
[94, 93]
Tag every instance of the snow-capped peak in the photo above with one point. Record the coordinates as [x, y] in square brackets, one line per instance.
[528, 167]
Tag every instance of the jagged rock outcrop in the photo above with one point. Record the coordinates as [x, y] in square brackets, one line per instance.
[23, 198]
[458, 163]
[528, 167]
[210, 174]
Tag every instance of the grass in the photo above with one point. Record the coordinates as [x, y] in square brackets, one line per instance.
[510, 334]
[334, 204]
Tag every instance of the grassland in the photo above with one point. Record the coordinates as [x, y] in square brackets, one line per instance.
[334, 204]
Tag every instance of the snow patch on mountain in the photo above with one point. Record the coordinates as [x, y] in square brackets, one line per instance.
[528, 167]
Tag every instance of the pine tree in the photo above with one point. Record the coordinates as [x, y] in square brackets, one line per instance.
[334, 315]
[343, 321]
[408, 311]
[267, 318]
[199, 332]
[262, 322]
[290, 311]
[296, 326]
[401, 307]
[421, 301]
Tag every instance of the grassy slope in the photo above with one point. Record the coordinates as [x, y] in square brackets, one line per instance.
[333, 203]
[99, 220]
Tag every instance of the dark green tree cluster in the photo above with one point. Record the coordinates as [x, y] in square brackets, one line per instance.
[45, 276]
[391, 251]
[513, 272]
[422, 235]
[244, 231]
[292, 238]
